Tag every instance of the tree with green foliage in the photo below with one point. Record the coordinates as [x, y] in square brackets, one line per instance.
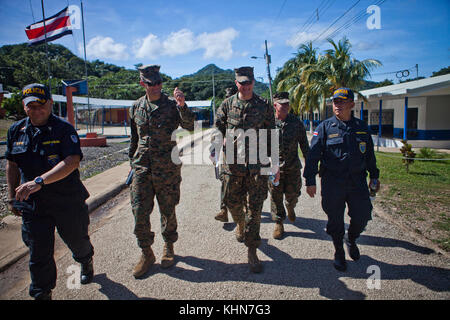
[311, 79]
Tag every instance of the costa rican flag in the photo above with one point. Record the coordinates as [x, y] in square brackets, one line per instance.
[56, 27]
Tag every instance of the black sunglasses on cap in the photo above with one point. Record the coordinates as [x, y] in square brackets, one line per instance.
[245, 83]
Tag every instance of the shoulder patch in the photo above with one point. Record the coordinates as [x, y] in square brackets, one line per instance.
[74, 138]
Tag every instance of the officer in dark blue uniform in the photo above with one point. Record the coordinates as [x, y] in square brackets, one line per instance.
[44, 186]
[344, 147]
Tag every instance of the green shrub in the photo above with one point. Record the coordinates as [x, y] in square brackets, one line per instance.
[427, 153]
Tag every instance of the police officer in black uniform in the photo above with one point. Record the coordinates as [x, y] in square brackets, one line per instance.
[344, 147]
[43, 155]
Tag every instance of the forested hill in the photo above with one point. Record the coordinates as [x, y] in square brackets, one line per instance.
[21, 65]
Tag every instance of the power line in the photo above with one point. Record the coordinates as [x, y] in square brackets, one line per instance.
[339, 18]
[281, 9]
[32, 14]
[320, 12]
[363, 13]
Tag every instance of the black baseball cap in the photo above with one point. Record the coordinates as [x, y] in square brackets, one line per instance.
[35, 92]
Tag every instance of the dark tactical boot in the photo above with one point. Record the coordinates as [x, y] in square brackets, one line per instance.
[222, 216]
[352, 248]
[278, 231]
[253, 261]
[168, 258]
[44, 296]
[339, 256]
[87, 272]
[147, 259]
[291, 214]
[240, 226]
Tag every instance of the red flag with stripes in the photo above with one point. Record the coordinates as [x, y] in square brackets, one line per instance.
[56, 27]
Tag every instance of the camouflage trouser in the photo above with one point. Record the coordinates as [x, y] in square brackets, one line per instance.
[240, 189]
[222, 189]
[144, 188]
[290, 186]
[222, 193]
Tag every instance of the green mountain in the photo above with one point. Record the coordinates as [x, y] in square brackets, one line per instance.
[21, 64]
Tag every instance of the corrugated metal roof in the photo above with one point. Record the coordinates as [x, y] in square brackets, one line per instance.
[413, 88]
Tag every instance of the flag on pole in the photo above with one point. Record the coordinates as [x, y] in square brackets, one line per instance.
[56, 27]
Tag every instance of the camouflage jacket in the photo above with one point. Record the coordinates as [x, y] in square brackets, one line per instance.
[235, 114]
[152, 125]
[292, 134]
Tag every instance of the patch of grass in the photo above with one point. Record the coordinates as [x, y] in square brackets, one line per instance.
[420, 196]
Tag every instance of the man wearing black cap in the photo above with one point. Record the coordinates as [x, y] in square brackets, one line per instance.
[43, 154]
[292, 134]
[154, 117]
[241, 114]
[344, 147]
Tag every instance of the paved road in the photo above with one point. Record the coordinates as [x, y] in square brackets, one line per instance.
[211, 264]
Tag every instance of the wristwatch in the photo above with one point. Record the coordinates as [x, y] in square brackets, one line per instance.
[39, 181]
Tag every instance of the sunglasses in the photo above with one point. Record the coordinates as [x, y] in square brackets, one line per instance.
[340, 101]
[245, 83]
[153, 84]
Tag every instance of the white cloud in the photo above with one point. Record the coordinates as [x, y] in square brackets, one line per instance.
[105, 48]
[148, 47]
[217, 44]
[299, 38]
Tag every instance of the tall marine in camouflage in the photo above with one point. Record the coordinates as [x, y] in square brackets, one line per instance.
[247, 113]
[154, 117]
[292, 134]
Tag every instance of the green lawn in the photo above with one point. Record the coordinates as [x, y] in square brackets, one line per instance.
[421, 197]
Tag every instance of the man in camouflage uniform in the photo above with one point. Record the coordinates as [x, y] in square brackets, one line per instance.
[292, 133]
[154, 117]
[245, 112]
[223, 213]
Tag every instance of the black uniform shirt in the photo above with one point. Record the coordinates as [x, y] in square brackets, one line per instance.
[344, 149]
[37, 150]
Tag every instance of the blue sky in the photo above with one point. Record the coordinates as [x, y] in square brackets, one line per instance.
[184, 36]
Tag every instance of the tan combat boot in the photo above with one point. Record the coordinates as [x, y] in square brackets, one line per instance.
[168, 258]
[147, 259]
[240, 226]
[291, 214]
[278, 231]
[253, 261]
[222, 215]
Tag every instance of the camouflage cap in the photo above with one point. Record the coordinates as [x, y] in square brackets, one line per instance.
[244, 74]
[281, 97]
[150, 73]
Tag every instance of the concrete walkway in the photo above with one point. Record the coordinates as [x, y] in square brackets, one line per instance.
[211, 264]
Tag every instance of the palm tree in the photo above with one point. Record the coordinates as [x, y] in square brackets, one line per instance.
[311, 80]
[336, 69]
[290, 79]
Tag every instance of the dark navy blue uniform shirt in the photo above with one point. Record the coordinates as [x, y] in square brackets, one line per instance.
[344, 149]
[37, 150]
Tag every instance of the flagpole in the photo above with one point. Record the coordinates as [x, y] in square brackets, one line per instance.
[46, 48]
[85, 67]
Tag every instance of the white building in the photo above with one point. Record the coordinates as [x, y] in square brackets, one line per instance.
[426, 104]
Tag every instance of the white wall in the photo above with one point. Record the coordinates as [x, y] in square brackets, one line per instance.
[438, 113]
